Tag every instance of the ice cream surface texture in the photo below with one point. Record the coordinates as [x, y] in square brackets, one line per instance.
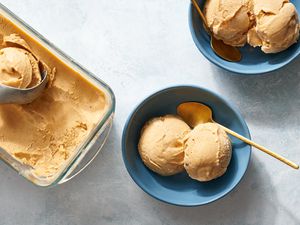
[161, 144]
[229, 20]
[15, 67]
[18, 66]
[46, 133]
[207, 152]
[277, 25]
[272, 25]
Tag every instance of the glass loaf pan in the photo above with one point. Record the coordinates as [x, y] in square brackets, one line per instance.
[91, 146]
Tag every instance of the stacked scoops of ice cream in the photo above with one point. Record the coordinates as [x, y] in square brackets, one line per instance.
[272, 25]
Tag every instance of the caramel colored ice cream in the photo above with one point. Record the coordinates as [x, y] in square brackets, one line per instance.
[272, 25]
[207, 152]
[46, 133]
[15, 68]
[161, 144]
[18, 66]
[277, 25]
[229, 20]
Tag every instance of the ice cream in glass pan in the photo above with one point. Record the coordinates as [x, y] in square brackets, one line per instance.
[54, 115]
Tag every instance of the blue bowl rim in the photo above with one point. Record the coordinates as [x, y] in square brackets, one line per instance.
[140, 105]
[227, 68]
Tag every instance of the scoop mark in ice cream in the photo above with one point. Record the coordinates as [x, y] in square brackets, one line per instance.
[272, 25]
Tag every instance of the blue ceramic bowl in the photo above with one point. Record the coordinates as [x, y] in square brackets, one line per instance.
[180, 189]
[254, 61]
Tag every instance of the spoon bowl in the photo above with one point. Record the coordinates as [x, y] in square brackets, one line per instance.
[227, 52]
[194, 113]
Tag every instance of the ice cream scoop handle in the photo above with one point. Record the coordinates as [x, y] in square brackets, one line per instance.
[265, 150]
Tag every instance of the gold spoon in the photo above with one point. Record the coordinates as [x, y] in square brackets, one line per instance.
[194, 113]
[227, 52]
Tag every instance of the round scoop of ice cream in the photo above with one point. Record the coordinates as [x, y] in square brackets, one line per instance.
[207, 152]
[15, 68]
[18, 66]
[277, 25]
[161, 144]
[229, 20]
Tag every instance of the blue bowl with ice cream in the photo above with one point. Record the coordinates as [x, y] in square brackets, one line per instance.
[254, 61]
[180, 189]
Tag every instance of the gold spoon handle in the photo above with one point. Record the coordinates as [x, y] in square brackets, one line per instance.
[265, 150]
[201, 15]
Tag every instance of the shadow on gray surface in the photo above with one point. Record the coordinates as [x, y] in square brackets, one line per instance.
[245, 205]
[264, 98]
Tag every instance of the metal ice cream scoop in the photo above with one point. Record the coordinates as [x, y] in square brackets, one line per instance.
[11, 95]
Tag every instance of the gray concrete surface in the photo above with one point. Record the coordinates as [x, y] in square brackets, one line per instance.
[138, 47]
